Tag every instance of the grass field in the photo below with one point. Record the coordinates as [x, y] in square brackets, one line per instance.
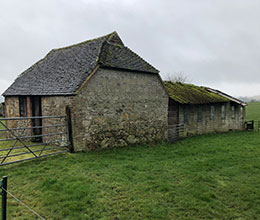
[205, 177]
[253, 111]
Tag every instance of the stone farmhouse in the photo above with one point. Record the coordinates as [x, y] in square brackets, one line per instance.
[202, 110]
[115, 97]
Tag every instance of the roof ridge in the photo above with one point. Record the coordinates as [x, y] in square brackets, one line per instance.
[181, 83]
[66, 47]
[86, 41]
[112, 43]
[111, 35]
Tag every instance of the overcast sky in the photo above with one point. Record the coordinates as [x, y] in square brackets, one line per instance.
[215, 43]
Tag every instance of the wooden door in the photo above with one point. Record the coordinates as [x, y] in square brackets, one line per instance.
[173, 113]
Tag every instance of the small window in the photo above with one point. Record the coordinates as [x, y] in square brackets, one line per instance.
[233, 112]
[199, 118]
[223, 112]
[241, 112]
[212, 112]
[22, 106]
[185, 114]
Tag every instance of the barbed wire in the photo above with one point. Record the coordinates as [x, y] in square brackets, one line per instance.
[18, 200]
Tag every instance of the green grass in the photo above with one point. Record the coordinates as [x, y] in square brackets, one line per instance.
[204, 177]
[1, 126]
[253, 111]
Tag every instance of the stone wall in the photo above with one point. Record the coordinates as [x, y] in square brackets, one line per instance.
[55, 106]
[12, 111]
[119, 108]
[206, 123]
[12, 106]
[2, 109]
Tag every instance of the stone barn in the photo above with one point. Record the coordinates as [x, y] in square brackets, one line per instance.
[115, 97]
[202, 110]
[2, 109]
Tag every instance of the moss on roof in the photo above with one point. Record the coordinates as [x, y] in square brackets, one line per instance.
[191, 94]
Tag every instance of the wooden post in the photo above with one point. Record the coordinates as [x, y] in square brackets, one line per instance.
[69, 129]
[4, 197]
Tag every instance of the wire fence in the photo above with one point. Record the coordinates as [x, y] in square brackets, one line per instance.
[23, 204]
[4, 200]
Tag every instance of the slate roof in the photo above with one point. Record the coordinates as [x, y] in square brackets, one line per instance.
[62, 71]
[191, 94]
[118, 56]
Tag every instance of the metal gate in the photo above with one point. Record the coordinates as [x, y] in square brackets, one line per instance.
[30, 138]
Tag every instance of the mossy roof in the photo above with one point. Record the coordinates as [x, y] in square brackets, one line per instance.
[63, 70]
[190, 94]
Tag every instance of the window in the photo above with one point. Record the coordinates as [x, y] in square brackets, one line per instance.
[241, 112]
[22, 106]
[233, 112]
[199, 117]
[223, 112]
[185, 114]
[212, 112]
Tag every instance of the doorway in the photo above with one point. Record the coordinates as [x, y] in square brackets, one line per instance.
[36, 106]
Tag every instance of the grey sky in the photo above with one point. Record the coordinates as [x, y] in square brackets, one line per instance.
[213, 42]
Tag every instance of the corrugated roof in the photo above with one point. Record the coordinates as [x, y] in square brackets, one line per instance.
[231, 98]
[191, 94]
[62, 71]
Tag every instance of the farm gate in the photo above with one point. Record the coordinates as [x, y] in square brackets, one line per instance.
[27, 138]
[175, 132]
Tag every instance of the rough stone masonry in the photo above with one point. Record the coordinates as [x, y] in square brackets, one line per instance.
[119, 108]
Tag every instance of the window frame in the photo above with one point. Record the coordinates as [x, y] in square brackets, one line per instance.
[233, 112]
[242, 110]
[212, 112]
[199, 114]
[185, 114]
[223, 112]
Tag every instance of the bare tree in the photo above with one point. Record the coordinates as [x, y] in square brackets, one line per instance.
[178, 77]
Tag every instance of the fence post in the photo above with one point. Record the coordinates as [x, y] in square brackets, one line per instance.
[69, 129]
[4, 197]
